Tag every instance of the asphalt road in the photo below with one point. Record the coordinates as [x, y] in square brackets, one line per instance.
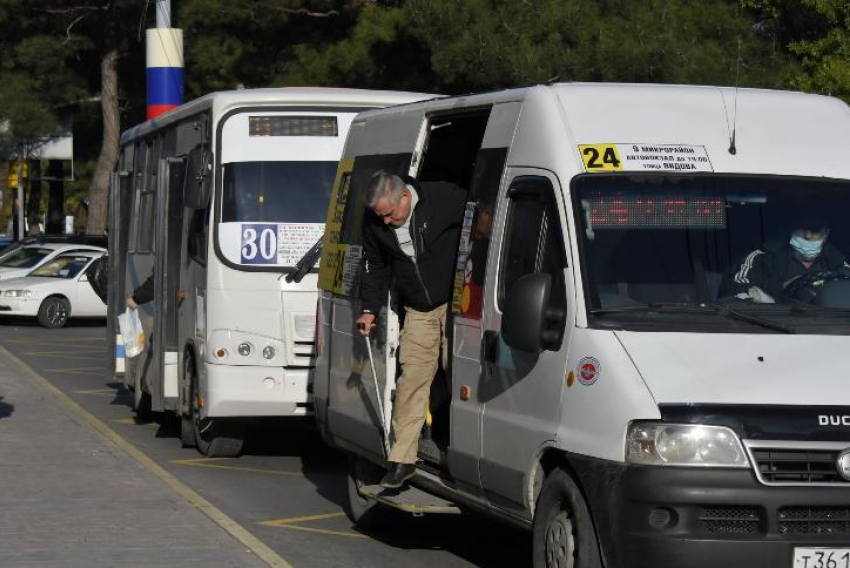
[287, 489]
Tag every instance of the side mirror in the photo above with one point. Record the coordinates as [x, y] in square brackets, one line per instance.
[527, 319]
[196, 186]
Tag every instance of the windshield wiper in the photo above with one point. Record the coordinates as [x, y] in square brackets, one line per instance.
[684, 308]
[674, 307]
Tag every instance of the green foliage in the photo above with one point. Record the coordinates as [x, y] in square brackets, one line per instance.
[817, 32]
[454, 47]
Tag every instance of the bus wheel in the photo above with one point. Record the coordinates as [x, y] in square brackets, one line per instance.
[563, 533]
[363, 512]
[220, 438]
[54, 312]
[187, 422]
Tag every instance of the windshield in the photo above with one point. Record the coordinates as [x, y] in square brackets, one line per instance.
[277, 192]
[684, 251]
[62, 267]
[26, 257]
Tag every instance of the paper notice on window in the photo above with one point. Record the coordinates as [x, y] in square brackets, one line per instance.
[295, 239]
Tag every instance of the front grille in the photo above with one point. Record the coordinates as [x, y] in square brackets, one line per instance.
[814, 520]
[797, 466]
[731, 520]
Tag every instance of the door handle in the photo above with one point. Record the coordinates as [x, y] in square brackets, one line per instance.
[490, 346]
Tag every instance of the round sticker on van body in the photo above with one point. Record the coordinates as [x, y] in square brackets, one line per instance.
[589, 370]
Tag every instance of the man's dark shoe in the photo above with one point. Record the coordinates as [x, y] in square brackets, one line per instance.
[397, 475]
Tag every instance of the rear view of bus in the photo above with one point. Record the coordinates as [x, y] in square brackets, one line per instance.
[236, 337]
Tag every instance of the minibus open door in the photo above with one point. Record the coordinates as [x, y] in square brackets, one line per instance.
[120, 208]
[168, 231]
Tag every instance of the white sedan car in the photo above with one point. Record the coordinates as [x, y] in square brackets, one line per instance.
[21, 261]
[53, 292]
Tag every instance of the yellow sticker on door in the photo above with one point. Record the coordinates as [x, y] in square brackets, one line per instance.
[600, 157]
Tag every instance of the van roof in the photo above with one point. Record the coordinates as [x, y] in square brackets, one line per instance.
[221, 101]
[776, 132]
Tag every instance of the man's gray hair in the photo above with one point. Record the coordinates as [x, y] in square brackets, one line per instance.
[384, 185]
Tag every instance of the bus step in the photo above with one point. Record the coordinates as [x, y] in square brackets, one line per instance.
[410, 500]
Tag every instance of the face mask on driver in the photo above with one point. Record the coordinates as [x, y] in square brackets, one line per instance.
[808, 250]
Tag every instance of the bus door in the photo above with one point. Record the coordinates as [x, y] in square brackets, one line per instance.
[168, 246]
[120, 209]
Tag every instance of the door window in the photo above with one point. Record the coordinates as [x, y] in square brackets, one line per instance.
[533, 239]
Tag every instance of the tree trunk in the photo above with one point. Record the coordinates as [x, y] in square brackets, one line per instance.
[32, 198]
[55, 223]
[99, 189]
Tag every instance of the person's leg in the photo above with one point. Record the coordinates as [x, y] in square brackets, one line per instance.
[419, 353]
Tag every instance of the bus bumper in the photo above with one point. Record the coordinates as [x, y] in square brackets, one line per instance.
[255, 391]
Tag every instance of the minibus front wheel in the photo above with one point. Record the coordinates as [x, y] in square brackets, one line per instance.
[215, 438]
[563, 533]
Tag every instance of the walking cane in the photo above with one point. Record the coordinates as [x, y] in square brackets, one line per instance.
[384, 434]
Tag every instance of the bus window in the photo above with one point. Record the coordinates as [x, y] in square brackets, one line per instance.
[280, 192]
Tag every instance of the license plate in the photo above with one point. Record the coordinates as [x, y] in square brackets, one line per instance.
[821, 558]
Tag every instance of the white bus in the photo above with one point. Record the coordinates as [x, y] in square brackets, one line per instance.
[217, 200]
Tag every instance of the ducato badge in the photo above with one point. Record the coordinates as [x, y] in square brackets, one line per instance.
[844, 464]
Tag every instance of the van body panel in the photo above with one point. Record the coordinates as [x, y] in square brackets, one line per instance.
[704, 116]
[726, 368]
[615, 385]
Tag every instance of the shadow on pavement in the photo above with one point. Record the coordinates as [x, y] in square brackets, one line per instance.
[33, 322]
[6, 409]
[476, 539]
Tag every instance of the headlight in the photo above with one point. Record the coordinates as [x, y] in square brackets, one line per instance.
[268, 352]
[244, 349]
[656, 443]
[18, 293]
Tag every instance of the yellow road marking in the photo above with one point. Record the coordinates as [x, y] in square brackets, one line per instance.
[132, 422]
[308, 518]
[77, 371]
[96, 391]
[290, 524]
[75, 357]
[205, 462]
[236, 530]
[72, 340]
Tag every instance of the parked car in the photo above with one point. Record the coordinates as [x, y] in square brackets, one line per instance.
[21, 261]
[54, 291]
[8, 244]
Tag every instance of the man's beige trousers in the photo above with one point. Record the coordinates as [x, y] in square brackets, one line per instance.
[419, 354]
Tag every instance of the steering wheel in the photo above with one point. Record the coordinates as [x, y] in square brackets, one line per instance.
[806, 287]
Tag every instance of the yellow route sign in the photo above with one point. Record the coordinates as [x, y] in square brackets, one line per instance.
[600, 157]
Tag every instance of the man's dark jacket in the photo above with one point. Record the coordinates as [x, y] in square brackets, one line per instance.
[435, 230]
[144, 293]
[774, 264]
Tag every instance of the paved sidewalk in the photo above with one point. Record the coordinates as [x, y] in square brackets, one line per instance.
[69, 496]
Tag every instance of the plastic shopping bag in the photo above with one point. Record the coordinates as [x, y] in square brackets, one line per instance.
[131, 332]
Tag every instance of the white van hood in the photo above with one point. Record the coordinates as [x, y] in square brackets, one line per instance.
[719, 368]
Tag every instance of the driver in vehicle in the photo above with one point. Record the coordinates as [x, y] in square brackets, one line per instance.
[791, 271]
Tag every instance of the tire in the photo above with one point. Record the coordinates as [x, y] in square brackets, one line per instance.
[54, 312]
[219, 438]
[187, 422]
[563, 535]
[364, 513]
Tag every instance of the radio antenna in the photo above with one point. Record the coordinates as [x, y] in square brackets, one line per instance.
[732, 148]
